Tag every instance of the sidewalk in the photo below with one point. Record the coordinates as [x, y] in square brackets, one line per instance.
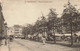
[4, 47]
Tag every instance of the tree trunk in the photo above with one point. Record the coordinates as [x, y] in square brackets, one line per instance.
[71, 34]
[54, 35]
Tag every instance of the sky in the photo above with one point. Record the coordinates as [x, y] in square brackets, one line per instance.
[22, 13]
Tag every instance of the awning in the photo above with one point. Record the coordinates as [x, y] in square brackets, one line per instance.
[58, 34]
[66, 34]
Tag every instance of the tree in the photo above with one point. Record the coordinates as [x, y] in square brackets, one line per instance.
[58, 25]
[70, 15]
[28, 30]
[52, 21]
[37, 26]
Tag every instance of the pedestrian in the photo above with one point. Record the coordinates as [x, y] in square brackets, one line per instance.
[43, 40]
[0, 40]
[11, 38]
[6, 40]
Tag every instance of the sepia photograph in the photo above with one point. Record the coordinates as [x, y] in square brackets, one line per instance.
[39, 25]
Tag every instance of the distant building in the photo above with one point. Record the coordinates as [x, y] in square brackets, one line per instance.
[10, 31]
[17, 30]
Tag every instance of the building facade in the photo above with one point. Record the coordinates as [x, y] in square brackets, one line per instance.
[1, 22]
[2, 26]
[17, 30]
[10, 31]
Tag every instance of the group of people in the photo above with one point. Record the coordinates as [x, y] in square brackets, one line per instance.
[38, 37]
[5, 40]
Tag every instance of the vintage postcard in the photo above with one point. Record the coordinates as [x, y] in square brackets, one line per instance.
[39, 25]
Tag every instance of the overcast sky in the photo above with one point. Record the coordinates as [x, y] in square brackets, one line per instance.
[21, 12]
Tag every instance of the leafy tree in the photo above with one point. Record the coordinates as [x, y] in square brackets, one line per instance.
[52, 16]
[70, 15]
[58, 26]
[28, 30]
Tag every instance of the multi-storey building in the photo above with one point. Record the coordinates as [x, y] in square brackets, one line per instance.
[17, 30]
[10, 31]
[1, 22]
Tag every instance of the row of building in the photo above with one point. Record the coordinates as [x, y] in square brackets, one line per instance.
[3, 25]
[16, 31]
